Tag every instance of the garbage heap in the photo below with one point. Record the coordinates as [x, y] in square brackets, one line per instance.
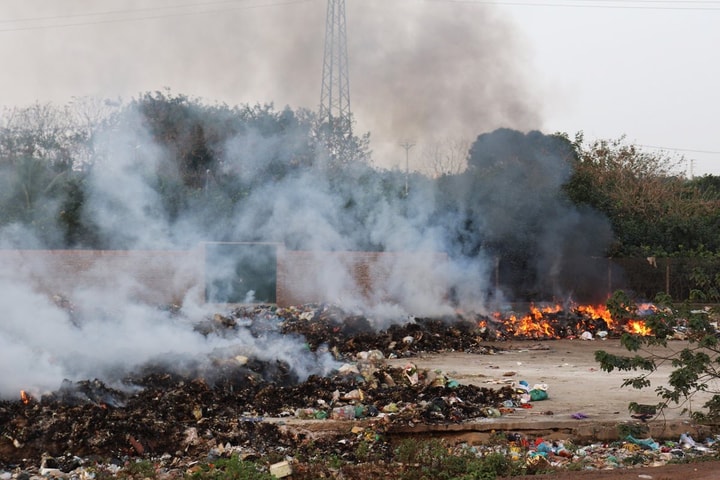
[539, 455]
[231, 400]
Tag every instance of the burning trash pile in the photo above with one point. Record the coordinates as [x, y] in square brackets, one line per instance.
[556, 321]
[229, 400]
[241, 401]
[328, 325]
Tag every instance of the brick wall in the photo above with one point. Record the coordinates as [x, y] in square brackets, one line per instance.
[154, 276]
[167, 276]
[370, 277]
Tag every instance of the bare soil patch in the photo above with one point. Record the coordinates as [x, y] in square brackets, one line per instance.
[576, 384]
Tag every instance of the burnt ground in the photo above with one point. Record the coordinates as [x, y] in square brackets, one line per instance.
[186, 415]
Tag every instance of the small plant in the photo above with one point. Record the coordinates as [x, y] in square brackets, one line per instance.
[637, 459]
[141, 468]
[492, 466]
[575, 466]
[335, 462]
[636, 430]
[231, 469]
[497, 439]
[363, 451]
[435, 459]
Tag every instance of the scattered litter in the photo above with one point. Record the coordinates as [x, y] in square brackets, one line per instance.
[646, 443]
[281, 469]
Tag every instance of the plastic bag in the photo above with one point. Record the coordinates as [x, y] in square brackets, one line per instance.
[537, 395]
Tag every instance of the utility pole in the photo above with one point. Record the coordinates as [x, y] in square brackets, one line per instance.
[335, 92]
[407, 146]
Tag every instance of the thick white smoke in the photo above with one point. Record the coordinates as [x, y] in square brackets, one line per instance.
[419, 70]
[112, 324]
[117, 325]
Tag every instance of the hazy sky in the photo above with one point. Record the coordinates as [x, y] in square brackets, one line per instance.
[420, 70]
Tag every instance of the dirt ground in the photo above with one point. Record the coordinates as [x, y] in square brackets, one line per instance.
[576, 384]
[694, 471]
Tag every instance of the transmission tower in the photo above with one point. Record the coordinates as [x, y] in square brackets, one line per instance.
[335, 93]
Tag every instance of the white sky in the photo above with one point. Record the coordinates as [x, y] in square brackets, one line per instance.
[649, 73]
[418, 68]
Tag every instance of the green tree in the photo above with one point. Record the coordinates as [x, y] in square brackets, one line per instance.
[695, 361]
[39, 146]
[653, 209]
[337, 146]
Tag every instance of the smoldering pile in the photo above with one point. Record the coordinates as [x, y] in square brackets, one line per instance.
[237, 399]
[327, 326]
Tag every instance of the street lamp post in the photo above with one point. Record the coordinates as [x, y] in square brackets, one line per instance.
[407, 146]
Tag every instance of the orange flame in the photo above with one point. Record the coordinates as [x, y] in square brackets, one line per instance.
[599, 311]
[24, 397]
[543, 322]
[534, 324]
[638, 327]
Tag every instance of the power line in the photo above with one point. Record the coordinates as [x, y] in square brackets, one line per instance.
[134, 17]
[689, 150]
[120, 12]
[647, 4]
[689, 5]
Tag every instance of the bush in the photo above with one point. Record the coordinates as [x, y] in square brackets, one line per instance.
[231, 469]
[434, 459]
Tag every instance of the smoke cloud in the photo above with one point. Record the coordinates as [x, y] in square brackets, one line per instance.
[117, 327]
[419, 70]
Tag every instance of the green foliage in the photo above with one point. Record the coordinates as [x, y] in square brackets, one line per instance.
[431, 459]
[491, 466]
[636, 459]
[653, 209]
[231, 469]
[636, 430]
[205, 161]
[143, 468]
[705, 285]
[694, 363]
[620, 306]
[364, 451]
